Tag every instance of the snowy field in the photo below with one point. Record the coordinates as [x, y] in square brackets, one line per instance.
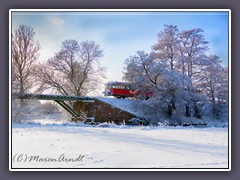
[65, 145]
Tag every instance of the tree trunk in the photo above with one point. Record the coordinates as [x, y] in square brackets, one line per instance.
[197, 112]
[188, 113]
[170, 110]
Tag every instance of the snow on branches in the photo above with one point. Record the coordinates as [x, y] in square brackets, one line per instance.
[185, 80]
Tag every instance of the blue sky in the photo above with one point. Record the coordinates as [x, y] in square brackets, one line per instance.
[121, 34]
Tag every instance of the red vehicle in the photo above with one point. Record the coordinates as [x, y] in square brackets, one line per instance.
[122, 90]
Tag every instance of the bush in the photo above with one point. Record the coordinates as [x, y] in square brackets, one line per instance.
[49, 108]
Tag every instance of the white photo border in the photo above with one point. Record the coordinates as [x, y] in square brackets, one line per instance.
[120, 10]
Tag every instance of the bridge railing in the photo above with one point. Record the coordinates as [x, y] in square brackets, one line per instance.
[53, 97]
[58, 99]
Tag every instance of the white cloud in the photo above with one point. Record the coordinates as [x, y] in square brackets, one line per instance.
[55, 20]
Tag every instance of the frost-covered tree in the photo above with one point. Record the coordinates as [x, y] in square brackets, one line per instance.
[168, 100]
[144, 71]
[213, 82]
[173, 90]
[192, 47]
[192, 50]
[24, 56]
[74, 70]
[149, 74]
[167, 44]
[184, 79]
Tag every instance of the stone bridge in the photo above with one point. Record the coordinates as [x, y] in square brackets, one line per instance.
[94, 109]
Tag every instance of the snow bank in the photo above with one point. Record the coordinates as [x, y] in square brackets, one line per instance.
[129, 105]
[124, 104]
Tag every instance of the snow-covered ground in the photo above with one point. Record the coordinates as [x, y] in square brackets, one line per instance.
[53, 144]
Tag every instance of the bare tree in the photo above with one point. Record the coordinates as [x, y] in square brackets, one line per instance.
[74, 70]
[24, 56]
